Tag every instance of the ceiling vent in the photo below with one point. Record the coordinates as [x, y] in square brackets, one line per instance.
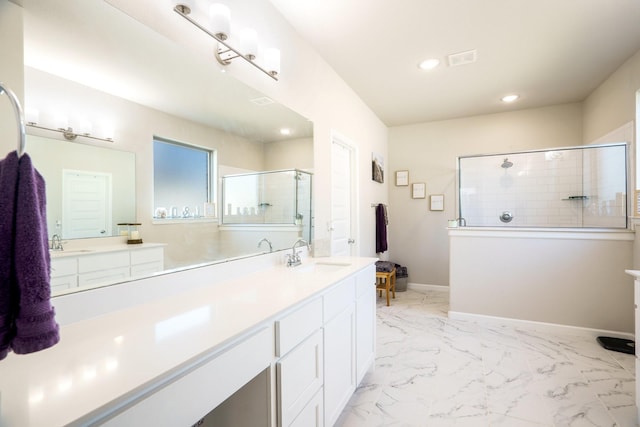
[262, 101]
[462, 58]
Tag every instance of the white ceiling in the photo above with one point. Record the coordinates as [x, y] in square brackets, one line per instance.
[547, 51]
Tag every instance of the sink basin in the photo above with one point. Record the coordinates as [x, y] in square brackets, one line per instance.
[321, 267]
[335, 263]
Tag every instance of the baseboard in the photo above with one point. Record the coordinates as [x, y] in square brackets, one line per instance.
[423, 287]
[541, 326]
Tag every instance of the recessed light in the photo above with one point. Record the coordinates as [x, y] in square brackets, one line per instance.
[509, 98]
[285, 131]
[429, 64]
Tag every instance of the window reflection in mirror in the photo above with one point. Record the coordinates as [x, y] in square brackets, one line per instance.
[182, 184]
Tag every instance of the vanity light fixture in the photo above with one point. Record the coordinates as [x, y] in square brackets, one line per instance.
[84, 126]
[509, 98]
[220, 24]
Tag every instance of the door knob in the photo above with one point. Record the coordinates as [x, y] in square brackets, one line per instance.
[351, 241]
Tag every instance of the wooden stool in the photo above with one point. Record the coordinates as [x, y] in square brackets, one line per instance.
[386, 281]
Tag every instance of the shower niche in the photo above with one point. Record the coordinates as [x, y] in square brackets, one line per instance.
[583, 187]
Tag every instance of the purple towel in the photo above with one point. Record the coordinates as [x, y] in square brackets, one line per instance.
[8, 186]
[32, 326]
[381, 229]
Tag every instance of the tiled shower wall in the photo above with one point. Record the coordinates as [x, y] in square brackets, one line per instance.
[267, 198]
[577, 187]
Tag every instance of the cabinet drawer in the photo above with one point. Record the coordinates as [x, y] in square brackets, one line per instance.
[365, 280]
[103, 261]
[299, 376]
[312, 415]
[64, 282]
[143, 256]
[339, 298]
[295, 327]
[111, 275]
[146, 269]
[64, 266]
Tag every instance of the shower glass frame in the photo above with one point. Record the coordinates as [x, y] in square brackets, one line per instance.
[566, 187]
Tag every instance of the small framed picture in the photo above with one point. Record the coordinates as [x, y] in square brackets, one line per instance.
[436, 202]
[418, 190]
[402, 178]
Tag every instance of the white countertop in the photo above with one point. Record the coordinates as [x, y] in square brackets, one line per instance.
[103, 359]
[634, 273]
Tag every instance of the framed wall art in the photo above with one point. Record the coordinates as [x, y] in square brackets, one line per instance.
[436, 202]
[418, 190]
[402, 178]
[377, 168]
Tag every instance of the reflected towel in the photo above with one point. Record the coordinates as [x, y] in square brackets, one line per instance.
[381, 229]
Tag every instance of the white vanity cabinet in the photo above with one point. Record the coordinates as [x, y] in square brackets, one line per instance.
[64, 273]
[100, 266]
[339, 348]
[365, 321]
[326, 347]
[147, 261]
[299, 371]
[278, 347]
[636, 301]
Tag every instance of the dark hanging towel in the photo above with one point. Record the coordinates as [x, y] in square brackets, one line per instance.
[381, 229]
[27, 318]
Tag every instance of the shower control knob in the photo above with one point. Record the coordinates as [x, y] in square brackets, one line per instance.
[506, 216]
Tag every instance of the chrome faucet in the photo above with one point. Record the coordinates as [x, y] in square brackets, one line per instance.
[293, 259]
[56, 243]
[461, 222]
[268, 242]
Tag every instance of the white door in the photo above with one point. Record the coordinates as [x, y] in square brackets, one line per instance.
[342, 182]
[86, 204]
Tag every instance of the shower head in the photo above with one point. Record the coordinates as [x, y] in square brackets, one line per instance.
[506, 164]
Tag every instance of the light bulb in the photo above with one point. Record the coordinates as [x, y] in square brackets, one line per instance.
[249, 43]
[220, 19]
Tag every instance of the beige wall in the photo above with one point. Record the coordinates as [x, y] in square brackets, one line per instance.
[519, 276]
[418, 237]
[10, 72]
[290, 154]
[613, 103]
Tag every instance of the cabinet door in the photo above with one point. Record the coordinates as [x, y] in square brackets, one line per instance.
[299, 376]
[339, 363]
[365, 332]
[312, 414]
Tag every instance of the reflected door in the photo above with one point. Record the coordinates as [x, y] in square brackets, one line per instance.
[341, 199]
[86, 204]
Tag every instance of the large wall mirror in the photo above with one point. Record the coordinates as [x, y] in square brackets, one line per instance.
[90, 62]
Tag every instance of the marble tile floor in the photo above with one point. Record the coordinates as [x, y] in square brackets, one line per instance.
[435, 371]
